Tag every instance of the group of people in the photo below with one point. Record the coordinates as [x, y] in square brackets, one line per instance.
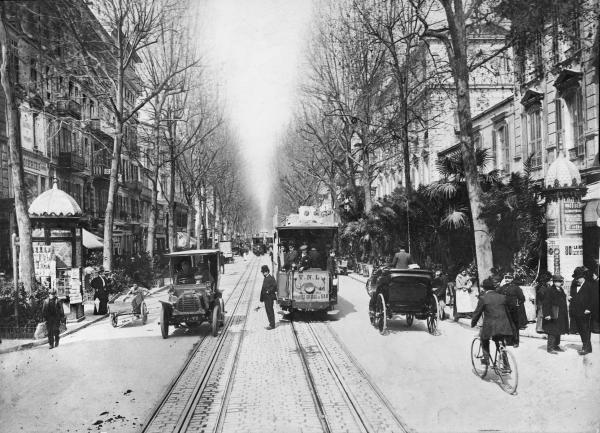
[502, 308]
[307, 258]
[582, 311]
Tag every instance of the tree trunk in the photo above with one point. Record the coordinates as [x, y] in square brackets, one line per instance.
[215, 225]
[366, 180]
[107, 253]
[16, 165]
[152, 219]
[190, 224]
[460, 72]
[198, 221]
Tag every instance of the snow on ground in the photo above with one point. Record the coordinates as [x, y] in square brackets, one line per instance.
[430, 382]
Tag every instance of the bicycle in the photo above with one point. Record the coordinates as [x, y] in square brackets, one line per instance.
[503, 363]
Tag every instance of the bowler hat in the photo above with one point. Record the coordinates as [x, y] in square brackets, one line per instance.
[303, 248]
[264, 268]
[557, 277]
[488, 284]
[580, 272]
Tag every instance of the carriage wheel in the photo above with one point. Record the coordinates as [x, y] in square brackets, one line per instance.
[432, 323]
[477, 356]
[410, 319]
[380, 314]
[114, 320]
[164, 323]
[144, 310]
[216, 314]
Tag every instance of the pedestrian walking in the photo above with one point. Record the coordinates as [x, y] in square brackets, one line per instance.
[402, 259]
[580, 309]
[556, 316]
[268, 294]
[53, 314]
[100, 286]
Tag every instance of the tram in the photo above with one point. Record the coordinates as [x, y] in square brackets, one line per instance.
[312, 287]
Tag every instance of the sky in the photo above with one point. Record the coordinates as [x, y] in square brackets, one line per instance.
[254, 48]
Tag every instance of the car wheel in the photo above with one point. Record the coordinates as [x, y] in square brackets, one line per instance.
[216, 313]
[164, 323]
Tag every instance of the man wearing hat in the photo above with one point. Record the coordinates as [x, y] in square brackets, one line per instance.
[402, 259]
[516, 304]
[304, 262]
[554, 310]
[268, 294]
[581, 307]
[496, 324]
[53, 314]
[291, 257]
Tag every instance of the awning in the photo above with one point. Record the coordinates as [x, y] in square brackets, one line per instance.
[91, 241]
[182, 240]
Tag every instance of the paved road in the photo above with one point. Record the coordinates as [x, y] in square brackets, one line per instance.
[106, 379]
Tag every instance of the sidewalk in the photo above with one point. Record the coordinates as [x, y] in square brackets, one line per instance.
[14, 345]
[466, 322]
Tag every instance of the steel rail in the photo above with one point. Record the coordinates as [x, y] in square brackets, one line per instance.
[221, 337]
[335, 371]
[210, 367]
[311, 382]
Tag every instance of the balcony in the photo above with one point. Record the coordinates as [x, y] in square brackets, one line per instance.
[101, 128]
[101, 171]
[70, 161]
[133, 185]
[68, 107]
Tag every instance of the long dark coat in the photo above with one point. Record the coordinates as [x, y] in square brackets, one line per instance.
[53, 313]
[516, 303]
[495, 319]
[555, 297]
[269, 289]
[581, 301]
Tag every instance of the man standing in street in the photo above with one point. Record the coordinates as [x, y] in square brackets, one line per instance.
[268, 294]
[581, 307]
[100, 286]
[402, 259]
[53, 314]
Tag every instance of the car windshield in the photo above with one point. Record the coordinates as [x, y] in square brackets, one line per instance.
[199, 268]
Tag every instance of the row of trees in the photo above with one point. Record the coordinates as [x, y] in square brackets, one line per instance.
[116, 48]
[363, 110]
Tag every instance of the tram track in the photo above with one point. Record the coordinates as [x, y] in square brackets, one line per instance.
[176, 410]
[342, 390]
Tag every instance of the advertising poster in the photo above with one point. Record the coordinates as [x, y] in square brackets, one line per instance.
[572, 220]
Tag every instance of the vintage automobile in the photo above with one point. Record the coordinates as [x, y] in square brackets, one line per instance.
[407, 292]
[129, 305]
[194, 295]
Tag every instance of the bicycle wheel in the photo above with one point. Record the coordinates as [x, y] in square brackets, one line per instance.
[507, 371]
[477, 358]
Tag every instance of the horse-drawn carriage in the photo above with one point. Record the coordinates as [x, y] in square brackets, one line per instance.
[397, 292]
[194, 295]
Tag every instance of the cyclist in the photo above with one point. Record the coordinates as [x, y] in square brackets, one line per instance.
[496, 324]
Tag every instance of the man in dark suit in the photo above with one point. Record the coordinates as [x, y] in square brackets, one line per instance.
[496, 324]
[581, 307]
[515, 300]
[100, 286]
[53, 314]
[304, 262]
[402, 259]
[268, 294]
[291, 257]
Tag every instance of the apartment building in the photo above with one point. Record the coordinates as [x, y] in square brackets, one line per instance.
[67, 131]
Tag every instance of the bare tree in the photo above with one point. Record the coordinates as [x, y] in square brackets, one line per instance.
[109, 55]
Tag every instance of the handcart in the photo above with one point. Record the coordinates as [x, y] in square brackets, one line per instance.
[129, 305]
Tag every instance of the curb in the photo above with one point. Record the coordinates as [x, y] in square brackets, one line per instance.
[41, 342]
[45, 341]
[468, 325]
